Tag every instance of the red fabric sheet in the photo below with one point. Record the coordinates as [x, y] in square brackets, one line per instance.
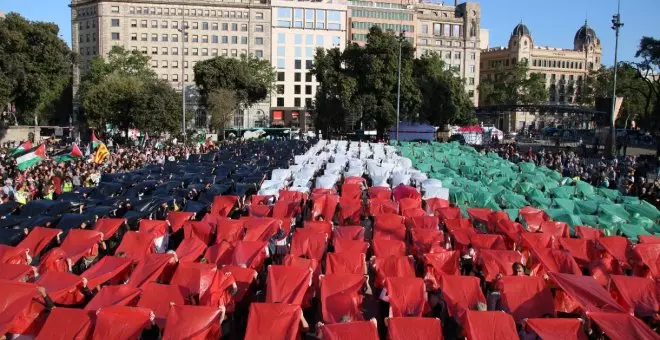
[480, 214]
[620, 326]
[324, 205]
[648, 239]
[533, 217]
[150, 269]
[556, 229]
[105, 270]
[557, 329]
[408, 203]
[243, 277]
[345, 263]
[261, 199]
[531, 241]
[223, 205]
[649, 255]
[121, 295]
[155, 228]
[157, 297]
[319, 227]
[37, 240]
[406, 191]
[495, 262]
[350, 213]
[249, 254]
[190, 249]
[195, 278]
[496, 217]
[287, 195]
[553, 260]
[382, 206]
[273, 321]
[350, 246]
[393, 266]
[340, 296]
[423, 222]
[487, 241]
[450, 213]
[412, 328]
[177, 218]
[260, 210]
[355, 232]
[588, 233]
[382, 193]
[489, 326]
[407, 296]
[63, 288]
[287, 284]
[355, 330]
[219, 290]
[351, 191]
[308, 244]
[619, 247]
[54, 260]
[525, 297]
[389, 226]
[199, 229]
[460, 293]
[229, 230]
[385, 247]
[583, 251]
[16, 272]
[68, 324]
[21, 305]
[220, 254]
[260, 229]
[423, 240]
[81, 242]
[108, 226]
[286, 209]
[586, 292]
[454, 224]
[636, 294]
[354, 180]
[133, 321]
[192, 323]
[136, 245]
[433, 204]
[439, 264]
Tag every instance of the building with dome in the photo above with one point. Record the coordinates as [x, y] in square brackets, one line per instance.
[563, 68]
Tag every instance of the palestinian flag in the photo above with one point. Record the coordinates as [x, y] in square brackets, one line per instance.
[95, 141]
[32, 158]
[23, 148]
[101, 154]
[75, 154]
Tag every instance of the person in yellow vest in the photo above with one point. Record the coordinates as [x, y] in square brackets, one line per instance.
[48, 192]
[67, 186]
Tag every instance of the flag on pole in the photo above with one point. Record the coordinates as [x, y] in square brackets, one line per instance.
[88, 150]
[21, 149]
[71, 156]
[101, 154]
[95, 141]
[32, 158]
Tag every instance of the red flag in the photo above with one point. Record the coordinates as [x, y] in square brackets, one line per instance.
[75, 151]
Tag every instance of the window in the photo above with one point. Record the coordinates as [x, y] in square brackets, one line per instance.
[214, 26]
[131, 10]
[163, 50]
[320, 19]
[473, 56]
[471, 81]
[115, 9]
[154, 37]
[280, 76]
[437, 29]
[223, 52]
[115, 36]
[163, 64]
[319, 40]
[175, 24]
[133, 36]
[185, 64]
[244, 27]
[195, 38]
[214, 39]
[154, 23]
[143, 24]
[308, 102]
[225, 26]
[163, 24]
[446, 30]
[175, 38]
[205, 39]
[164, 76]
[234, 27]
[298, 64]
[308, 89]
[336, 41]
[164, 37]
[471, 93]
[133, 23]
[309, 64]
[281, 38]
[175, 64]
[259, 15]
[154, 50]
[296, 102]
[297, 76]
[259, 28]
[195, 25]
[457, 31]
[457, 55]
[280, 101]
[114, 22]
[205, 25]
[259, 41]
[244, 40]
[234, 39]
[280, 89]
[225, 39]
[175, 77]
[195, 51]
[154, 63]
[205, 52]
[308, 77]
[425, 28]
[471, 68]
[259, 53]
[186, 77]
[185, 51]
[280, 63]
[143, 50]
[214, 52]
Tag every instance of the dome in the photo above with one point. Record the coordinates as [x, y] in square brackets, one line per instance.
[585, 36]
[520, 30]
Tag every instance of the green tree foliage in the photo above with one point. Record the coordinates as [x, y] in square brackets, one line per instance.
[648, 71]
[359, 85]
[444, 100]
[35, 70]
[123, 91]
[221, 105]
[251, 78]
[513, 86]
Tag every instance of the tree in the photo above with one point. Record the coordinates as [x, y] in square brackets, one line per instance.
[647, 71]
[35, 69]
[513, 86]
[444, 100]
[252, 79]
[123, 91]
[221, 104]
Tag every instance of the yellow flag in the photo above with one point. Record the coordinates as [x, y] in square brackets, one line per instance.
[101, 153]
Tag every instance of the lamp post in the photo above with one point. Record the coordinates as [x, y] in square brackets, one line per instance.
[616, 25]
[398, 87]
[184, 31]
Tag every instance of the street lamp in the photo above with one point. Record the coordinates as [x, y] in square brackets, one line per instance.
[184, 31]
[616, 25]
[398, 87]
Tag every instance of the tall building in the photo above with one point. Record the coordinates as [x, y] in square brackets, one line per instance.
[175, 35]
[395, 16]
[563, 69]
[299, 28]
[454, 33]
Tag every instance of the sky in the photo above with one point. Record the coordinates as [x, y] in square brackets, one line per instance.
[552, 22]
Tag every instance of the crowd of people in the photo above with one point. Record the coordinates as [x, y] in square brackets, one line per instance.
[628, 174]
